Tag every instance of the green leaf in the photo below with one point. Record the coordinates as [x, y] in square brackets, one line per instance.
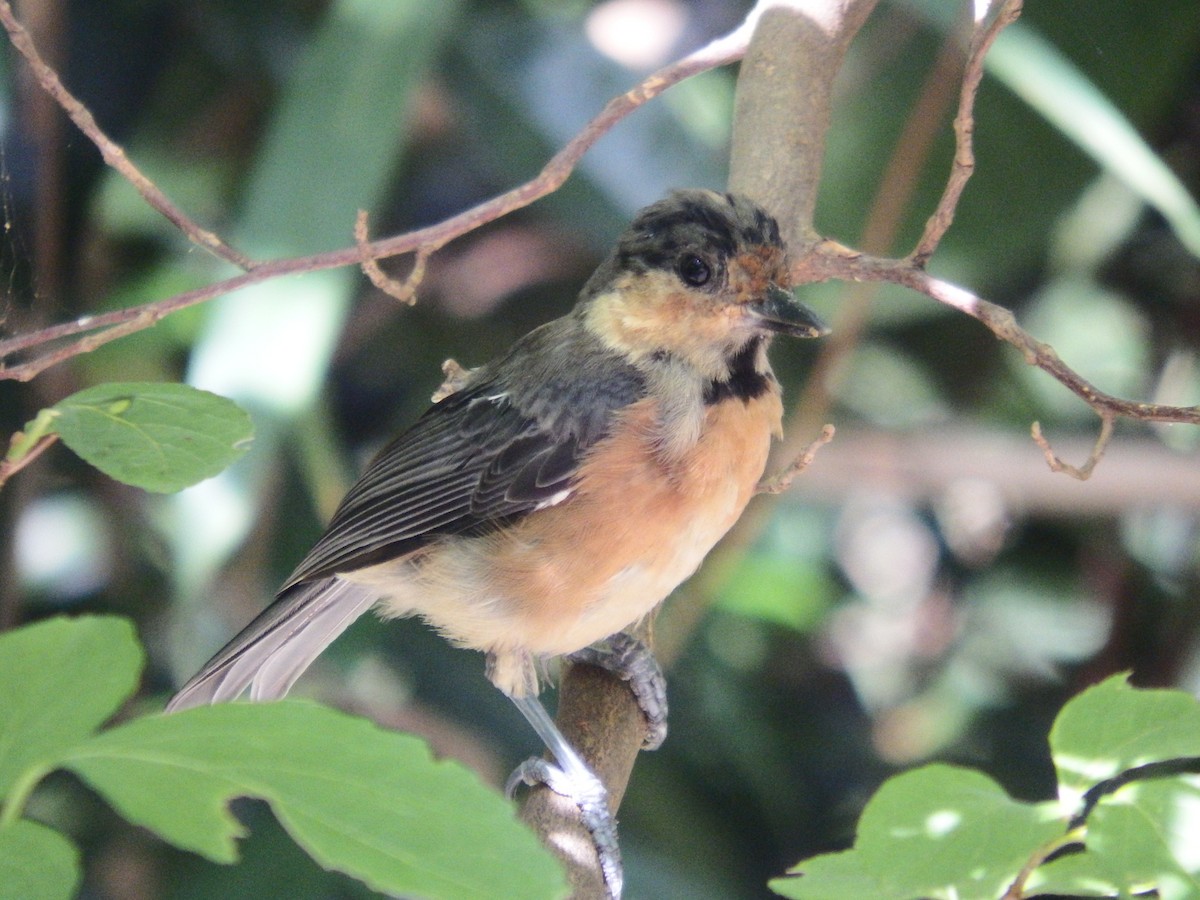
[157, 436]
[1072, 875]
[1112, 727]
[939, 832]
[831, 876]
[60, 680]
[37, 863]
[1145, 836]
[361, 800]
[1140, 838]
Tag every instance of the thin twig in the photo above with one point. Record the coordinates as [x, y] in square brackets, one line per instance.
[831, 261]
[782, 480]
[405, 291]
[1057, 464]
[722, 51]
[1016, 890]
[964, 130]
[10, 467]
[112, 153]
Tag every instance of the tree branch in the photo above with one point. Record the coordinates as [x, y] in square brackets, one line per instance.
[424, 241]
[783, 107]
[112, 153]
[599, 717]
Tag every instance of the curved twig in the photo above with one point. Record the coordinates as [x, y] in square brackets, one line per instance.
[782, 480]
[405, 291]
[963, 166]
[1057, 464]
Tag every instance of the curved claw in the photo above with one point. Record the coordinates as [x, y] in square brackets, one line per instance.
[632, 661]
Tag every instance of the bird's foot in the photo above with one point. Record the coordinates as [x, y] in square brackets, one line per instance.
[587, 792]
[632, 661]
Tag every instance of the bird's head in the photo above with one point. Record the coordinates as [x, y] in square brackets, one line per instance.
[697, 276]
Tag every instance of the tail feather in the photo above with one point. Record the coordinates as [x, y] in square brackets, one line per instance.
[270, 653]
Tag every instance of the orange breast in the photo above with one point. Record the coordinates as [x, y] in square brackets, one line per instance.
[636, 526]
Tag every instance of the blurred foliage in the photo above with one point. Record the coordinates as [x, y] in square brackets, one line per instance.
[932, 603]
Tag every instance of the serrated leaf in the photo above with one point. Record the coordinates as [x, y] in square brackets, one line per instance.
[37, 863]
[364, 801]
[157, 436]
[60, 680]
[939, 832]
[1139, 727]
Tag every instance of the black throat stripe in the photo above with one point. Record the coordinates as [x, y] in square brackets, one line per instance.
[744, 383]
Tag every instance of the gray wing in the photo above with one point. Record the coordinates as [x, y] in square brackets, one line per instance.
[472, 462]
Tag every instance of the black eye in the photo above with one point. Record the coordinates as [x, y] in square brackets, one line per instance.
[694, 270]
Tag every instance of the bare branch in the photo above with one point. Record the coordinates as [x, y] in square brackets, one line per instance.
[782, 480]
[112, 153]
[986, 32]
[783, 106]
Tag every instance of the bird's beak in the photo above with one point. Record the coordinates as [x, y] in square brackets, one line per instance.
[779, 310]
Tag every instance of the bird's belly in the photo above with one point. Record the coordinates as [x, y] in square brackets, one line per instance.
[644, 582]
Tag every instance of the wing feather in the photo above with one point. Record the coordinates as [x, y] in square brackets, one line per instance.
[473, 461]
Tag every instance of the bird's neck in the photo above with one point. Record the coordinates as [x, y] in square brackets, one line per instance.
[748, 377]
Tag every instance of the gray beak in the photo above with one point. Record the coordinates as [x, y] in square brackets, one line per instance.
[780, 311]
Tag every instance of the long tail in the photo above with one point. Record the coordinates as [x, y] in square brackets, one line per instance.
[270, 653]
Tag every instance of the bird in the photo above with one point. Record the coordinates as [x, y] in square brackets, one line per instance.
[556, 495]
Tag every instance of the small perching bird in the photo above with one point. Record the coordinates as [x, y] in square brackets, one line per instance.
[567, 487]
